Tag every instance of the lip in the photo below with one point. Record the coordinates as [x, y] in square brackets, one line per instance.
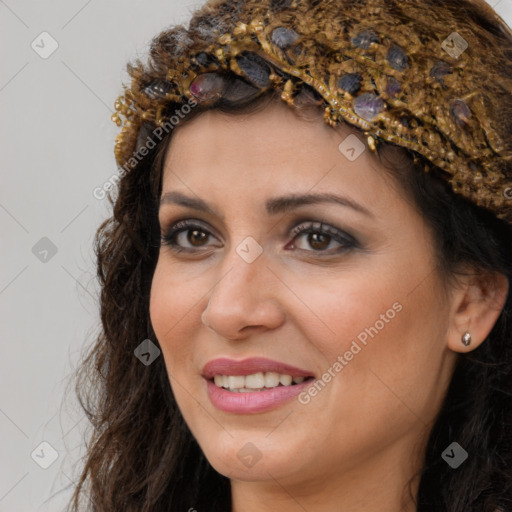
[254, 401]
[226, 366]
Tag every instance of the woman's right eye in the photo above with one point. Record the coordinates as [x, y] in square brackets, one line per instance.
[188, 232]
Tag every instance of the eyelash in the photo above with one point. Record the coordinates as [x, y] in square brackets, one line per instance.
[348, 242]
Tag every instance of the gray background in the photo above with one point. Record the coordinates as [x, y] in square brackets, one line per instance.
[57, 144]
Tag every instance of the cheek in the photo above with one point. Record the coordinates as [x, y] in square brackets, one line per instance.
[172, 312]
[347, 307]
[384, 323]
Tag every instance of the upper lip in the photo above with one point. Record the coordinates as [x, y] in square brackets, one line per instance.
[226, 366]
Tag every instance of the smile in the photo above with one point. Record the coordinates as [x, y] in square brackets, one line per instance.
[256, 381]
[253, 385]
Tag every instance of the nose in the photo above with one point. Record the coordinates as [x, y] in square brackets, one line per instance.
[244, 300]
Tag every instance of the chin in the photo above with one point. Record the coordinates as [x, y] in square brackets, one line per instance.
[247, 454]
[249, 463]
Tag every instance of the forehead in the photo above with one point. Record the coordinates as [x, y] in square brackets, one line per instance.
[273, 144]
[241, 167]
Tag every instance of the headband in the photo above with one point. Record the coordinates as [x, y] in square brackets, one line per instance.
[431, 75]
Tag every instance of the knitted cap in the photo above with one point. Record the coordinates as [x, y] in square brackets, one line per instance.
[428, 75]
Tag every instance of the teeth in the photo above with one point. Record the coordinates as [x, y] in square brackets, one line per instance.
[236, 382]
[255, 382]
[285, 380]
[271, 379]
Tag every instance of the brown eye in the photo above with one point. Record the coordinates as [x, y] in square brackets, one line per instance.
[319, 237]
[318, 240]
[196, 236]
[193, 234]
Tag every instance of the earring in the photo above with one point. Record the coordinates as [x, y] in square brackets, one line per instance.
[466, 339]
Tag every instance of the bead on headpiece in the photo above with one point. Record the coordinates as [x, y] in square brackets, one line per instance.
[421, 76]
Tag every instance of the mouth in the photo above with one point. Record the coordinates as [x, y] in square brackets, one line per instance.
[259, 381]
[253, 385]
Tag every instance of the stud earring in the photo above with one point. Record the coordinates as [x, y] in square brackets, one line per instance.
[466, 339]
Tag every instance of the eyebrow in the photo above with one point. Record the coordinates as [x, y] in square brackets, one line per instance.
[273, 206]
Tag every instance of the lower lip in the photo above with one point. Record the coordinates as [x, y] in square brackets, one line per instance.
[253, 401]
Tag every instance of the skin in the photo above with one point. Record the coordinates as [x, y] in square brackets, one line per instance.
[356, 444]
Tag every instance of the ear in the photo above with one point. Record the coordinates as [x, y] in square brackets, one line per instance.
[475, 307]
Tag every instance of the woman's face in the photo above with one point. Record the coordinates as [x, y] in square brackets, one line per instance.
[357, 306]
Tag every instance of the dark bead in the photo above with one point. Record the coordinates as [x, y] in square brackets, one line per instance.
[460, 112]
[284, 37]
[393, 86]
[158, 89]
[240, 89]
[397, 58]
[365, 38]
[351, 82]
[255, 69]
[368, 106]
[204, 59]
[440, 69]
[207, 86]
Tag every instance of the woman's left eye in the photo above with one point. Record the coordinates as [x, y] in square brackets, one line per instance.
[320, 237]
[320, 234]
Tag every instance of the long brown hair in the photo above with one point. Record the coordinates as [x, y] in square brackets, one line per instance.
[142, 457]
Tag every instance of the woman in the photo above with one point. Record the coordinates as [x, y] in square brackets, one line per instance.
[305, 280]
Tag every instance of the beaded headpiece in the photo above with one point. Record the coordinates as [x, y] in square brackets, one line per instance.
[434, 76]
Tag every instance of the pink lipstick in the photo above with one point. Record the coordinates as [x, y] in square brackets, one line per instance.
[259, 400]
